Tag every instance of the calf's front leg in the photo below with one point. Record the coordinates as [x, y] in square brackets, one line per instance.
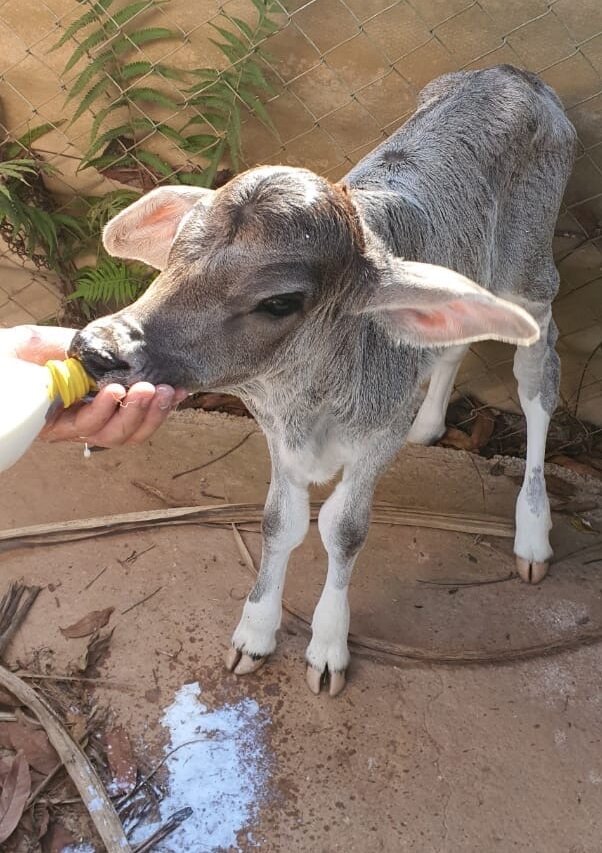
[343, 523]
[285, 524]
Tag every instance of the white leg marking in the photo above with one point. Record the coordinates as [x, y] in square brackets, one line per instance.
[330, 626]
[255, 636]
[429, 424]
[533, 519]
[537, 371]
[343, 524]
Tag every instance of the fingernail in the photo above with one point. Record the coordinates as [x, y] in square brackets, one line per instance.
[165, 395]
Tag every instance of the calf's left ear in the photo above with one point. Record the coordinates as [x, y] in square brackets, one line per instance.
[430, 306]
[146, 229]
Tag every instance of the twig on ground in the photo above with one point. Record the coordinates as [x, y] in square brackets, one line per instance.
[583, 372]
[84, 777]
[38, 676]
[121, 802]
[135, 555]
[142, 600]
[217, 458]
[14, 607]
[165, 829]
[68, 531]
[242, 549]
[154, 492]
[94, 579]
[510, 577]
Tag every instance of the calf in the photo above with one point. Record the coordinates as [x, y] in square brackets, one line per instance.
[326, 306]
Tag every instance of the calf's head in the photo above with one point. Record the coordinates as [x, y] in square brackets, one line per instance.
[264, 262]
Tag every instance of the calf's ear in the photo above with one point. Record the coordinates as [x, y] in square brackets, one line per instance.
[146, 229]
[430, 306]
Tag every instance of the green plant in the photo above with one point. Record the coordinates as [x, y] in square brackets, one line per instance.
[116, 73]
[30, 222]
[218, 97]
[35, 229]
[114, 81]
[110, 282]
[110, 42]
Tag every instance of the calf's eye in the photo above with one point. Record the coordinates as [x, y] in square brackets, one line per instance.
[282, 305]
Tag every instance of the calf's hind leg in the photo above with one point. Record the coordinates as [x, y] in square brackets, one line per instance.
[429, 424]
[537, 370]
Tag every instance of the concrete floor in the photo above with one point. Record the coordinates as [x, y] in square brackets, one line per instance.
[411, 757]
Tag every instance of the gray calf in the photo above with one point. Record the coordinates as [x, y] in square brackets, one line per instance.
[326, 306]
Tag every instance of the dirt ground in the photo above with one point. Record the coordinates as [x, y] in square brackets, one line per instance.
[412, 756]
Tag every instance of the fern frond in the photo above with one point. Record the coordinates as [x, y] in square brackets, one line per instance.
[109, 281]
[193, 179]
[88, 73]
[105, 207]
[254, 104]
[71, 224]
[87, 18]
[93, 40]
[198, 143]
[122, 16]
[140, 37]
[110, 161]
[151, 96]
[135, 69]
[154, 162]
[18, 169]
[138, 124]
[91, 95]
[243, 27]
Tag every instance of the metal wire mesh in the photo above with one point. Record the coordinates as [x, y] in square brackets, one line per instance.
[345, 74]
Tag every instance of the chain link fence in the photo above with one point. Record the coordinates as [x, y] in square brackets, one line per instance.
[342, 76]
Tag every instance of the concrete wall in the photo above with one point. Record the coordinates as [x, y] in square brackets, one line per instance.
[346, 74]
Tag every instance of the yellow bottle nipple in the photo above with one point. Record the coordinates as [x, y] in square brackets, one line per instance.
[69, 381]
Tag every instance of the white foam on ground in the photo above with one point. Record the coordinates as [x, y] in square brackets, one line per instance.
[219, 769]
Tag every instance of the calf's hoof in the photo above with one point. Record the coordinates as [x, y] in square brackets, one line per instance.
[315, 678]
[530, 570]
[241, 664]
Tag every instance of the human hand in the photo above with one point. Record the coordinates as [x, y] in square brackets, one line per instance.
[115, 416]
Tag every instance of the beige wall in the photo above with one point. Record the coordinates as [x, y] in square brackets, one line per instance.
[346, 74]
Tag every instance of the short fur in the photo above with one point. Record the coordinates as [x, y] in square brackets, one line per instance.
[472, 182]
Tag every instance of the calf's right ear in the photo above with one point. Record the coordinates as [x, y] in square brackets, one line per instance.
[431, 306]
[146, 229]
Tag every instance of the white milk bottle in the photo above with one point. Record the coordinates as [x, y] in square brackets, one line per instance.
[30, 395]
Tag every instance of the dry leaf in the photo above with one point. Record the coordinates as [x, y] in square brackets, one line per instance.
[581, 468]
[8, 700]
[42, 816]
[15, 792]
[57, 839]
[455, 438]
[582, 525]
[32, 742]
[78, 725]
[121, 760]
[96, 649]
[88, 624]
[482, 429]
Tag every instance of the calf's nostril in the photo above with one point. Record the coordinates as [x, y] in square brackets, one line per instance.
[96, 355]
[99, 362]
